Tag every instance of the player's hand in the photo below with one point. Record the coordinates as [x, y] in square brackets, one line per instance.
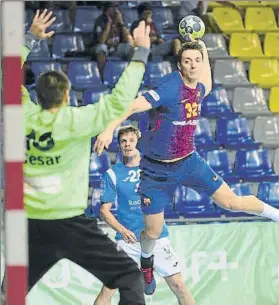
[103, 141]
[40, 23]
[141, 35]
[128, 236]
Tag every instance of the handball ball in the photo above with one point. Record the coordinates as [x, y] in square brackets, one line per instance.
[191, 25]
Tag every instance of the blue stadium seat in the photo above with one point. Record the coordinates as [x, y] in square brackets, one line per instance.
[169, 36]
[33, 96]
[254, 165]
[92, 96]
[73, 99]
[98, 166]
[113, 71]
[40, 51]
[269, 193]
[235, 133]
[63, 43]
[62, 22]
[43, 66]
[220, 163]
[85, 19]
[155, 71]
[193, 205]
[203, 136]
[216, 104]
[84, 75]
[163, 16]
[129, 15]
[28, 17]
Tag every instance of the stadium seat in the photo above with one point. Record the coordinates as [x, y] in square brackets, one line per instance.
[230, 73]
[85, 19]
[62, 22]
[40, 51]
[98, 166]
[92, 96]
[269, 193]
[228, 19]
[84, 75]
[216, 45]
[245, 46]
[254, 165]
[274, 100]
[129, 15]
[271, 44]
[155, 71]
[73, 99]
[198, 206]
[163, 16]
[216, 104]
[250, 101]
[33, 96]
[276, 161]
[260, 19]
[28, 17]
[234, 133]
[266, 131]
[203, 135]
[220, 163]
[63, 43]
[170, 36]
[113, 71]
[40, 67]
[264, 72]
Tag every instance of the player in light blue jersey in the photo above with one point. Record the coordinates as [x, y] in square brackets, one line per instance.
[120, 186]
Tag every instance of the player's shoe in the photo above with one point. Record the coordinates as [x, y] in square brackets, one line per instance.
[147, 271]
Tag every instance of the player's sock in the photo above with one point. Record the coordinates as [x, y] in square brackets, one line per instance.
[147, 245]
[270, 212]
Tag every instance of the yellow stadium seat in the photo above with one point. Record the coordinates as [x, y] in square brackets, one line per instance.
[249, 3]
[260, 19]
[271, 44]
[274, 100]
[246, 46]
[228, 19]
[264, 72]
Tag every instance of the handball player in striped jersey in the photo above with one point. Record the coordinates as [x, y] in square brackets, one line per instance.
[169, 158]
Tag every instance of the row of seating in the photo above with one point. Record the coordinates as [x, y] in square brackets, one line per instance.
[85, 17]
[245, 4]
[227, 72]
[248, 101]
[229, 20]
[257, 19]
[248, 165]
[190, 204]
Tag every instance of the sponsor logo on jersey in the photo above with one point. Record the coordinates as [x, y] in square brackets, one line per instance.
[215, 178]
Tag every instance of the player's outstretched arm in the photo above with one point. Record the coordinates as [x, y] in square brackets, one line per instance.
[206, 77]
[36, 32]
[104, 139]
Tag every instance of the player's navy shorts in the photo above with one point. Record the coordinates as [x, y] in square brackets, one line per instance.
[159, 180]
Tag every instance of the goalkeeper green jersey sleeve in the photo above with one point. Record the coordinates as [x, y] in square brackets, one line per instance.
[56, 168]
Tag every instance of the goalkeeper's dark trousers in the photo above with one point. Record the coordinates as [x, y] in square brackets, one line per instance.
[80, 240]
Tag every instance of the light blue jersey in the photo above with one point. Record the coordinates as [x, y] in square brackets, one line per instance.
[120, 184]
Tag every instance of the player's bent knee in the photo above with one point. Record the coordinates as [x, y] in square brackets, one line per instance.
[153, 233]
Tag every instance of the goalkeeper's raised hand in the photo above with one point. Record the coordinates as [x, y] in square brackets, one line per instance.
[40, 24]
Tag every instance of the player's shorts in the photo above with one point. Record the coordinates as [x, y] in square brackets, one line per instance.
[159, 180]
[165, 260]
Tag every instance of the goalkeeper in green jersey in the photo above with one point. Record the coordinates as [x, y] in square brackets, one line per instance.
[58, 141]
